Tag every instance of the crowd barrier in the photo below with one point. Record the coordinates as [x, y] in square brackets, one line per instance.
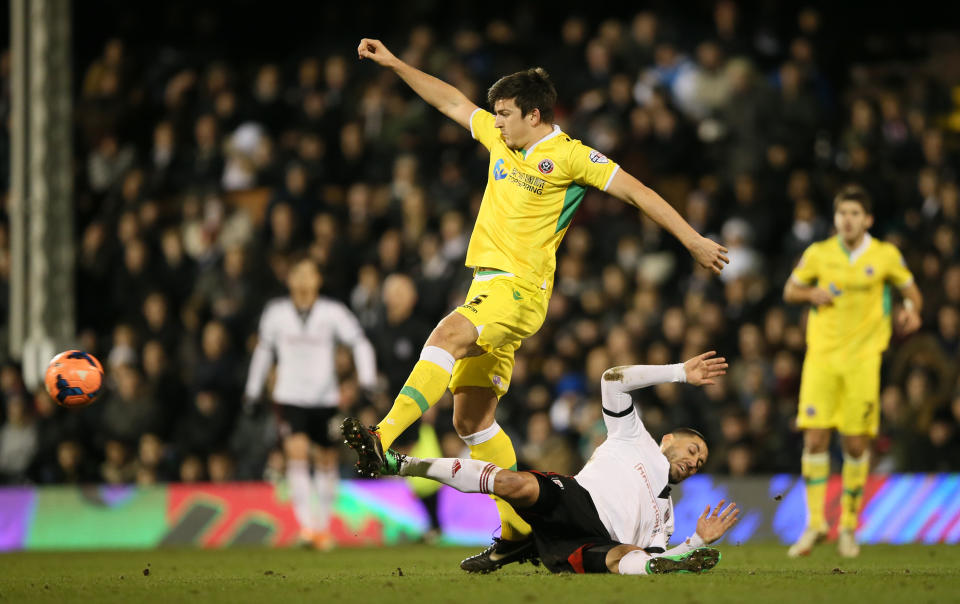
[899, 508]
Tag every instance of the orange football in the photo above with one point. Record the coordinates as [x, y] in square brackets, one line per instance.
[74, 378]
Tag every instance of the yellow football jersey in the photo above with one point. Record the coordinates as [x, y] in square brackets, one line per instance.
[858, 320]
[530, 199]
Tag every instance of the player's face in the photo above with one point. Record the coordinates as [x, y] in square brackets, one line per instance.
[686, 455]
[516, 129]
[304, 283]
[851, 220]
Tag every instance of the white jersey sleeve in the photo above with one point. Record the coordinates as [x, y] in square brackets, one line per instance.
[348, 331]
[263, 354]
[619, 413]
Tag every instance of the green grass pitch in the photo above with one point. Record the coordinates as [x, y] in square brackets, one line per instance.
[414, 574]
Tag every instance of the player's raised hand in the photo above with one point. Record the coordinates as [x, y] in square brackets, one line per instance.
[376, 51]
[711, 527]
[702, 368]
[710, 254]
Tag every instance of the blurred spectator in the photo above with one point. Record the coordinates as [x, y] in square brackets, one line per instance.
[18, 440]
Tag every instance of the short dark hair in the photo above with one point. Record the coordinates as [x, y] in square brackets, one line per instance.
[530, 89]
[300, 256]
[689, 432]
[856, 193]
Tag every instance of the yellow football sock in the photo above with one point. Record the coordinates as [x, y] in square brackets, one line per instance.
[494, 445]
[855, 471]
[815, 468]
[426, 384]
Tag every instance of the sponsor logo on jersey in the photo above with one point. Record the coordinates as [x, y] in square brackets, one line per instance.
[836, 291]
[456, 468]
[545, 166]
[527, 182]
[869, 271]
[556, 481]
[498, 172]
[497, 381]
[598, 158]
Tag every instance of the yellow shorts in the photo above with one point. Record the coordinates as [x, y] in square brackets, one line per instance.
[505, 310]
[845, 395]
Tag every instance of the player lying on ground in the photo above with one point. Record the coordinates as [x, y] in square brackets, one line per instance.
[536, 179]
[616, 515]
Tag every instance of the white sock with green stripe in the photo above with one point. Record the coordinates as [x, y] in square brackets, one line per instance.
[465, 475]
[426, 384]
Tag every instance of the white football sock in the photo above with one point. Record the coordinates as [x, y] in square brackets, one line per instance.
[301, 492]
[465, 475]
[634, 563]
[325, 484]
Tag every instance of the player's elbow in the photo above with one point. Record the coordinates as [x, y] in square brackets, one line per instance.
[789, 293]
[614, 374]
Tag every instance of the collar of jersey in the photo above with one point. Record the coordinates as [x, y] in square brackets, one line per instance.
[854, 255]
[556, 131]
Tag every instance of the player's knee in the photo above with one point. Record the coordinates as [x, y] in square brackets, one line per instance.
[516, 487]
[855, 446]
[615, 555]
[297, 446]
[816, 441]
[326, 458]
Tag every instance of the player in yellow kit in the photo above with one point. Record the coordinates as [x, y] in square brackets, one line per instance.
[537, 178]
[847, 279]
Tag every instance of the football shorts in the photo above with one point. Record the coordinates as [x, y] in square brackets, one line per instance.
[567, 529]
[312, 421]
[844, 396]
[505, 310]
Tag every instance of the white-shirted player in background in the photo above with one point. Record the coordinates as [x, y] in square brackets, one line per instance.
[301, 333]
[616, 515]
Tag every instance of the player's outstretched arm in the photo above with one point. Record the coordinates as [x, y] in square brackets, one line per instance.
[708, 254]
[447, 99]
[698, 371]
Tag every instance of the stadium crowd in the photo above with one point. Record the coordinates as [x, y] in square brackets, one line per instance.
[198, 174]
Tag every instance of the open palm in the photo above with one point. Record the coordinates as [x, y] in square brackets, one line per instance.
[702, 368]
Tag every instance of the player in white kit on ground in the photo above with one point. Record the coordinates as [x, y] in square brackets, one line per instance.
[301, 332]
[616, 515]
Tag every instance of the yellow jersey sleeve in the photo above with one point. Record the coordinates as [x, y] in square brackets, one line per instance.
[897, 271]
[588, 166]
[808, 269]
[482, 128]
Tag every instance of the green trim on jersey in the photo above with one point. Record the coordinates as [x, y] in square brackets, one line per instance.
[887, 299]
[571, 201]
[488, 273]
[843, 247]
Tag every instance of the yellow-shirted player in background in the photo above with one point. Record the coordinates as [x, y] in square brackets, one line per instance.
[537, 178]
[847, 279]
